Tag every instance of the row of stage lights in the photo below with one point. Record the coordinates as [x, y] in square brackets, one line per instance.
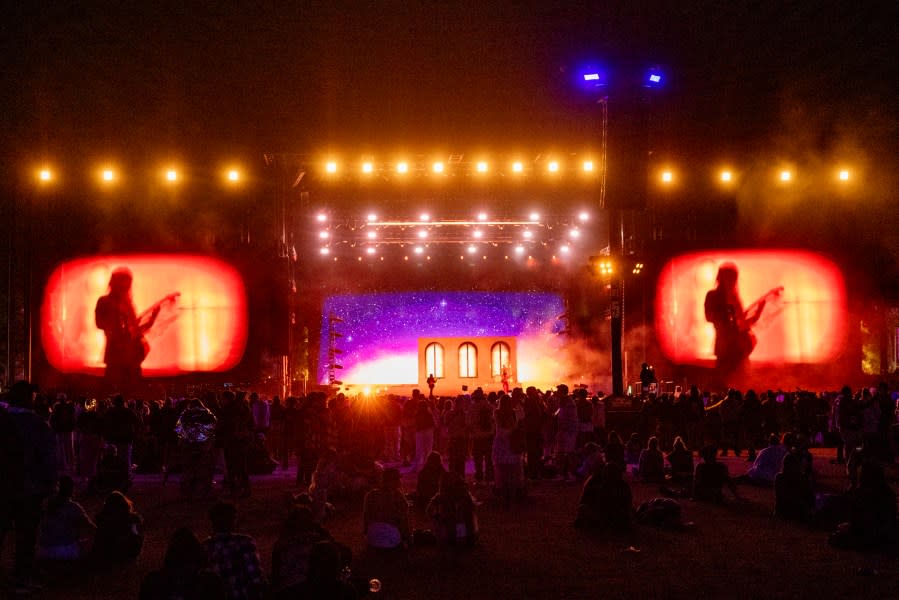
[418, 234]
[472, 251]
[665, 176]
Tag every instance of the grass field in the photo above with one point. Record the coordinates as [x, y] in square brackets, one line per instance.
[532, 550]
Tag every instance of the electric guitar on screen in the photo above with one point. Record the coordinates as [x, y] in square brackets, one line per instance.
[145, 322]
[745, 338]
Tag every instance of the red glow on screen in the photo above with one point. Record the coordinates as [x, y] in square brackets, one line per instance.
[805, 323]
[203, 329]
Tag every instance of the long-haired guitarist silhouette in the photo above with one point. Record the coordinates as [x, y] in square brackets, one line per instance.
[734, 339]
[126, 346]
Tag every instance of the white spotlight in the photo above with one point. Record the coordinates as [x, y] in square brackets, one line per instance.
[519, 249]
[584, 216]
[574, 234]
[324, 251]
[321, 217]
[370, 250]
[534, 216]
[422, 234]
[372, 217]
[482, 216]
[323, 235]
[478, 234]
[424, 217]
[472, 249]
[527, 234]
[372, 235]
[419, 249]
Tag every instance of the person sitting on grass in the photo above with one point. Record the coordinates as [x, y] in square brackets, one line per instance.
[606, 502]
[429, 480]
[452, 512]
[290, 555]
[793, 496]
[767, 463]
[233, 556]
[632, 449]
[681, 460]
[326, 579]
[183, 573]
[120, 534]
[324, 480]
[651, 466]
[614, 450]
[66, 528]
[385, 514]
[872, 513]
[710, 478]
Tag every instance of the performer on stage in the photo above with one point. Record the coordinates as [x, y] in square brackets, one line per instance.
[126, 346]
[734, 340]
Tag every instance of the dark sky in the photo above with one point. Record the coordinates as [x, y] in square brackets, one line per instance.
[150, 78]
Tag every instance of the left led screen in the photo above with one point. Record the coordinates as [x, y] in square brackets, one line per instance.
[201, 324]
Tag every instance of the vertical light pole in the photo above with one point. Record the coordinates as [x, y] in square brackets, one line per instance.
[624, 92]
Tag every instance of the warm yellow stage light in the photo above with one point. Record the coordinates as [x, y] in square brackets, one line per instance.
[437, 167]
[588, 166]
[108, 175]
[45, 175]
[553, 166]
[331, 167]
[667, 176]
[367, 167]
[786, 176]
[482, 167]
[171, 175]
[844, 175]
[402, 167]
[517, 167]
[726, 176]
[233, 175]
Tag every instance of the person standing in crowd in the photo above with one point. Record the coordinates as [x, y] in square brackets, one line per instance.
[196, 433]
[62, 421]
[567, 426]
[534, 419]
[317, 433]
[506, 458]
[120, 427]
[234, 557]
[483, 432]
[393, 420]
[410, 412]
[235, 431]
[28, 471]
[89, 427]
[457, 431]
[425, 424]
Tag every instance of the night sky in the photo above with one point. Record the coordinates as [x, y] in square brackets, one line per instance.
[150, 80]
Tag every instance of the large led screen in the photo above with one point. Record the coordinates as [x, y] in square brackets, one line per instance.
[803, 319]
[200, 325]
[376, 335]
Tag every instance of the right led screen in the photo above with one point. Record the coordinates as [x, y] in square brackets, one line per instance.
[803, 319]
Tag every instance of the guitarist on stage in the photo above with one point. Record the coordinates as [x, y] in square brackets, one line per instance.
[734, 340]
[126, 346]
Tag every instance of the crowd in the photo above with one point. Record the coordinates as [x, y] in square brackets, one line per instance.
[349, 449]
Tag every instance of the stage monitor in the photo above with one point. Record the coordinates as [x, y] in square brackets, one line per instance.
[200, 325]
[803, 320]
[374, 337]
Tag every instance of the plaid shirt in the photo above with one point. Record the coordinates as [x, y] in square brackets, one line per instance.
[235, 559]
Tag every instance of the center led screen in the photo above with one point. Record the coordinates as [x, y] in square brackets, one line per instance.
[377, 334]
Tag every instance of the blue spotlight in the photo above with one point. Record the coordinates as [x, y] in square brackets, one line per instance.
[653, 78]
[591, 77]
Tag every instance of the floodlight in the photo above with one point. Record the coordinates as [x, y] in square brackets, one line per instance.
[726, 176]
[553, 166]
[370, 250]
[402, 167]
[367, 167]
[171, 175]
[574, 233]
[424, 217]
[108, 175]
[371, 218]
[482, 216]
[584, 216]
[478, 234]
[437, 167]
[321, 217]
[472, 249]
[527, 234]
[331, 167]
[482, 167]
[517, 167]
[372, 235]
[786, 176]
[588, 166]
[324, 251]
[233, 175]
[667, 176]
[422, 234]
[323, 235]
[45, 175]
[534, 216]
[844, 175]
[419, 250]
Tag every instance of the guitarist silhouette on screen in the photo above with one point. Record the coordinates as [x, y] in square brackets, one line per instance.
[734, 339]
[126, 346]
